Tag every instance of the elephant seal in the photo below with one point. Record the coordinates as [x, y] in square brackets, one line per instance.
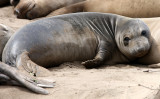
[38, 8]
[94, 38]
[124, 7]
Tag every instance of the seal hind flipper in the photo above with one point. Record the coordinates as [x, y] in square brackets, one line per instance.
[27, 66]
[14, 74]
[32, 70]
[5, 80]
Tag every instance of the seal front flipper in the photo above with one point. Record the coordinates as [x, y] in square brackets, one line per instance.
[104, 50]
[35, 72]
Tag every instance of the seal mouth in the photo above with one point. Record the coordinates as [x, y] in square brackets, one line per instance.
[22, 11]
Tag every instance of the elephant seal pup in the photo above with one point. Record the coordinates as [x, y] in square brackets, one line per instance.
[38, 8]
[94, 38]
[130, 8]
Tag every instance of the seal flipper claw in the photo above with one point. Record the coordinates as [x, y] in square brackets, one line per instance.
[45, 84]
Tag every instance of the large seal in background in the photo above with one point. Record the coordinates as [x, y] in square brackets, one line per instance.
[38, 8]
[93, 38]
[130, 8]
[153, 57]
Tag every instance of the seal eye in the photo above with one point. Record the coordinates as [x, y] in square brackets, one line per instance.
[126, 41]
[144, 33]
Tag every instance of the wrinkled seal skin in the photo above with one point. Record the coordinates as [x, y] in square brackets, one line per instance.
[130, 8]
[38, 8]
[94, 38]
[80, 37]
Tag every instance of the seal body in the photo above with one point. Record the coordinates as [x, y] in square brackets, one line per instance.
[38, 8]
[134, 8]
[80, 37]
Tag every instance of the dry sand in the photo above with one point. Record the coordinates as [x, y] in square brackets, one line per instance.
[73, 81]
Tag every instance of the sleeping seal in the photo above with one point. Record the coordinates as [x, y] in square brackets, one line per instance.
[38, 8]
[129, 8]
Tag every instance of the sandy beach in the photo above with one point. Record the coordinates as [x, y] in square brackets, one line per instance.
[74, 81]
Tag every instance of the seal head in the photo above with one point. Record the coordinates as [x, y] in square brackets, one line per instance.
[134, 39]
[22, 7]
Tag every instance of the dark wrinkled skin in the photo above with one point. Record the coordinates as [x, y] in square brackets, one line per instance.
[93, 38]
[31, 9]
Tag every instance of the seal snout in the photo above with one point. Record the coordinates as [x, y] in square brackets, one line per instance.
[141, 52]
[142, 46]
[22, 7]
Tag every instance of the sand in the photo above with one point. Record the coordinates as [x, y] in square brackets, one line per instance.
[73, 81]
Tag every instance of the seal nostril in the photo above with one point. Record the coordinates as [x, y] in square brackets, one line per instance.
[143, 33]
